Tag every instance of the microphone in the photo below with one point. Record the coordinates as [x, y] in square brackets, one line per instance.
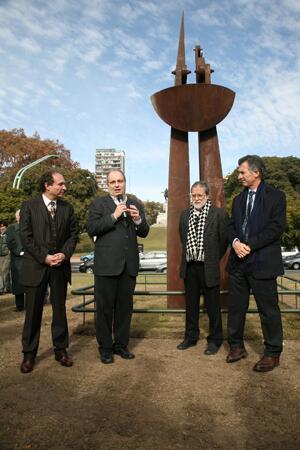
[120, 200]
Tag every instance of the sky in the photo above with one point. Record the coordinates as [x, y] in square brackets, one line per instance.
[82, 72]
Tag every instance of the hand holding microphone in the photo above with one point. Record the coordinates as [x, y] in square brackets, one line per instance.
[121, 208]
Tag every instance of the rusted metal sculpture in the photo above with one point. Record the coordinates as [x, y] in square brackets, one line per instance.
[190, 107]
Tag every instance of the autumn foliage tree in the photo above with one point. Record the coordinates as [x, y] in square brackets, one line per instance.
[17, 150]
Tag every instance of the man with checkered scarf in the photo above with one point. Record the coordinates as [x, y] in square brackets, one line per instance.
[203, 233]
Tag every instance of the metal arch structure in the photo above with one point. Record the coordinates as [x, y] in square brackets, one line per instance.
[20, 173]
[197, 107]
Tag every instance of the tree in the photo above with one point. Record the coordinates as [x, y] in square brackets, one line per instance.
[10, 202]
[152, 209]
[17, 150]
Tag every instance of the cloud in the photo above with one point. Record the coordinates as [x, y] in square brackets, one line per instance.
[52, 85]
[55, 102]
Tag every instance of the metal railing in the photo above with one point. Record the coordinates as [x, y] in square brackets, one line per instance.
[87, 291]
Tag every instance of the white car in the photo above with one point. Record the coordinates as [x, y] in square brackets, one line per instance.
[152, 260]
[291, 252]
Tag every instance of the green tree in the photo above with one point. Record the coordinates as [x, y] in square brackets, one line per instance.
[152, 209]
[10, 202]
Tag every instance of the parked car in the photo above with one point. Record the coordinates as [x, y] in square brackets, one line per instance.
[88, 257]
[152, 260]
[292, 262]
[162, 268]
[87, 266]
[285, 253]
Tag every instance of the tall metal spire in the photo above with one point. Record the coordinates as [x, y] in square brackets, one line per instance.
[181, 70]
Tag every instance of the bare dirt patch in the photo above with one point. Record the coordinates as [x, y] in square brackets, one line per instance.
[163, 399]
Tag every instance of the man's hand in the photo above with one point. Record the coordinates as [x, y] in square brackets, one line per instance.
[60, 257]
[50, 260]
[134, 212]
[120, 209]
[241, 249]
[55, 260]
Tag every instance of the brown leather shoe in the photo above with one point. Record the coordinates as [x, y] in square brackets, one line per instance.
[266, 363]
[64, 359]
[27, 365]
[235, 354]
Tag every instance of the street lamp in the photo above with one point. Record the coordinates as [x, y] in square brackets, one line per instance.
[20, 173]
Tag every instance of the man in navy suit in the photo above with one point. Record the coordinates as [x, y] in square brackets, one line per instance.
[115, 222]
[257, 224]
[49, 233]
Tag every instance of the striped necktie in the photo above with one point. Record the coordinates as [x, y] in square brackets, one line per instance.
[52, 209]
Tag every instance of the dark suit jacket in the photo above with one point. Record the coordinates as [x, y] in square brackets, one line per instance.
[116, 243]
[35, 235]
[215, 243]
[265, 245]
[15, 246]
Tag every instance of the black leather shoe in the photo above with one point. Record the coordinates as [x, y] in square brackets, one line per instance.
[106, 357]
[124, 353]
[64, 359]
[211, 349]
[27, 365]
[235, 354]
[186, 344]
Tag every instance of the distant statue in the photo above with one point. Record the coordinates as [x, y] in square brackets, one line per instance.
[166, 194]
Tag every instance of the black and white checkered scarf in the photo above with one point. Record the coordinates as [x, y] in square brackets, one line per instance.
[195, 237]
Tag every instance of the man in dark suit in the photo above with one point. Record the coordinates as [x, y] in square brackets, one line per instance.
[115, 222]
[257, 224]
[203, 233]
[16, 255]
[49, 233]
[4, 260]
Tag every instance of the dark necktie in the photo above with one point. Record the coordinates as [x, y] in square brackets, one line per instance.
[245, 227]
[52, 209]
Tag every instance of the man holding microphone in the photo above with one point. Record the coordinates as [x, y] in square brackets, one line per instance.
[115, 222]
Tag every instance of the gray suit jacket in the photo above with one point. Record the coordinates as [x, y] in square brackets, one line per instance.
[215, 243]
[116, 242]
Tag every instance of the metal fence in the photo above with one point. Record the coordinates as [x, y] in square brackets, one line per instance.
[288, 298]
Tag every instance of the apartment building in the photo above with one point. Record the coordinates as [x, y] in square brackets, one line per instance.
[106, 160]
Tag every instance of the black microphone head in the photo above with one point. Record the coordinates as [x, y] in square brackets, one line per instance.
[120, 199]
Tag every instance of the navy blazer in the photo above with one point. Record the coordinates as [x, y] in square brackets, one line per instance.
[116, 242]
[35, 233]
[265, 244]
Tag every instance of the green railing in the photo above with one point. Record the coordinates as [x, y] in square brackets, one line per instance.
[88, 291]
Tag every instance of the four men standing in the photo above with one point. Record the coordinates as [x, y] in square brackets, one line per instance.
[49, 233]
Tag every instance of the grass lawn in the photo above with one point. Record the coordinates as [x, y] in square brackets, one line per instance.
[156, 240]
